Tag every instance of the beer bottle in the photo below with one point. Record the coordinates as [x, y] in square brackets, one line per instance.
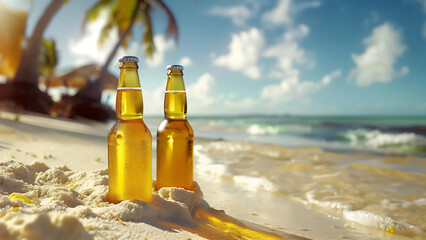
[175, 138]
[129, 140]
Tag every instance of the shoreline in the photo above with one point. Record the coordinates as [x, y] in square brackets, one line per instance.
[153, 121]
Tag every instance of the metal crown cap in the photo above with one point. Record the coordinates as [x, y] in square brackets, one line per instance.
[174, 67]
[129, 58]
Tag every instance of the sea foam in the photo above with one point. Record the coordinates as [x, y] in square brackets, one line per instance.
[388, 224]
[206, 164]
[363, 217]
[256, 129]
[376, 139]
[255, 183]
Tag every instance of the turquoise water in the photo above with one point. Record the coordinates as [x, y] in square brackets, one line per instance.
[394, 135]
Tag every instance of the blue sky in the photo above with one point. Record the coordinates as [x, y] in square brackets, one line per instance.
[271, 57]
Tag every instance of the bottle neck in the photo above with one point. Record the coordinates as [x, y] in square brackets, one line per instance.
[129, 77]
[175, 95]
[129, 104]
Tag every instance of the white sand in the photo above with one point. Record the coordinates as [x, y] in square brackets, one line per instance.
[61, 166]
[72, 205]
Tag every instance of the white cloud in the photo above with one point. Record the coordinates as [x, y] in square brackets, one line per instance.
[86, 48]
[238, 14]
[291, 88]
[199, 93]
[281, 14]
[244, 53]
[185, 61]
[329, 77]
[162, 45]
[203, 100]
[376, 63]
[289, 54]
[285, 10]
[305, 5]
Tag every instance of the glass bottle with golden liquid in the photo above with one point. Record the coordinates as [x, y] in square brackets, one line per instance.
[175, 137]
[129, 140]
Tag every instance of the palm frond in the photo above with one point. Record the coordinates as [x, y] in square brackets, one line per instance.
[120, 15]
[95, 10]
[172, 28]
[148, 40]
[124, 14]
[48, 57]
[123, 17]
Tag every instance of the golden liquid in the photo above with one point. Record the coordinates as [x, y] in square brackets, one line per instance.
[129, 151]
[231, 228]
[175, 104]
[129, 103]
[215, 224]
[175, 140]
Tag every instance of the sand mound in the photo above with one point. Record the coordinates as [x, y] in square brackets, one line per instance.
[38, 202]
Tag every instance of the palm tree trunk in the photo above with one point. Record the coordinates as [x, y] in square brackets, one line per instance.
[27, 71]
[93, 91]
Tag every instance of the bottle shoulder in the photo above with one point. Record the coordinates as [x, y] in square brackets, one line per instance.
[135, 129]
[176, 127]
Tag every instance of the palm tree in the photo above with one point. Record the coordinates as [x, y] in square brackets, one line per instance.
[122, 14]
[24, 89]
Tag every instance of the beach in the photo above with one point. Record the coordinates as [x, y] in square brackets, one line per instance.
[58, 171]
[274, 120]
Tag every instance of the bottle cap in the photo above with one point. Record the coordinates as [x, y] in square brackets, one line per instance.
[174, 67]
[129, 58]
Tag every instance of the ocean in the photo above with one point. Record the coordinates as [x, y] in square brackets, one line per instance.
[370, 171]
[403, 135]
